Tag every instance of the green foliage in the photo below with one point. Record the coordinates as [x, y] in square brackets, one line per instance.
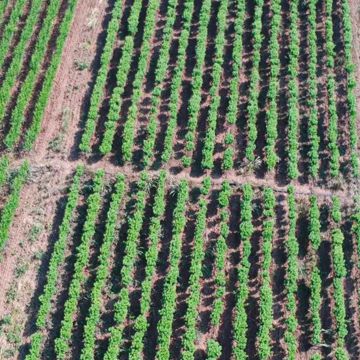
[351, 85]
[97, 92]
[10, 29]
[315, 279]
[266, 303]
[141, 324]
[336, 209]
[232, 110]
[50, 73]
[272, 113]
[210, 137]
[197, 79]
[331, 84]
[293, 88]
[102, 271]
[213, 350]
[12, 203]
[292, 278]
[164, 326]
[246, 231]
[220, 254]
[28, 85]
[82, 259]
[4, 164]
[339, 297]
[126, 273]
[254, 91]
[313, 93]
[197, 257]
[130, 121]
[176, 80]
[160, 73]
[57, 258]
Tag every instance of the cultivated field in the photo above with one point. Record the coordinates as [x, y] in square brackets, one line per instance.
[179, 179]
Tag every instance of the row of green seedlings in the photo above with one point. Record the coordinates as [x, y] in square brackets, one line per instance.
[196, 273]
[3, 11]
[266, 301]
[313, 134]
[164, 326]
[351, 85]
[82, 258]
[43, 97]
[141, 323]
[213, 347]
[122, 304]
[128, 136]
[315, 278]
[13, 199]
[102, 271]
[338, 260]
[210, 136]
[292, 247]
[331, 89]
[197, 81]
[272, 113]
[98, 89]
[176, 81]
[27, 87]
[253, 105]
[293, 100]
[56, 260]
[240, 326]
[356, 232]
[123, 68]
[11, 28]
[160, 73]
[232, 110]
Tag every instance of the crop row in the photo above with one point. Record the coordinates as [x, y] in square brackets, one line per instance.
[220, 261]
[10, 29]
[292, 278]
[331, 84]
[164, 326]
[160, 72]
[97, 92]
[102, 271]
[126, 272]
[293, 107]
[122, 72]
[314, 137]
[197, 257]
[141, 323]
[197, 81]
[232, 109]
[43, 97]
[315, 280]
[351, 84]
[28, 85]
[12, 202]
[266, 302]
[131, 118]
[82, 258]
[176, 82]
[272, 113]
[337, 244]
[210, 137]
[246, 232]
[56, 260]
[253, 105]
